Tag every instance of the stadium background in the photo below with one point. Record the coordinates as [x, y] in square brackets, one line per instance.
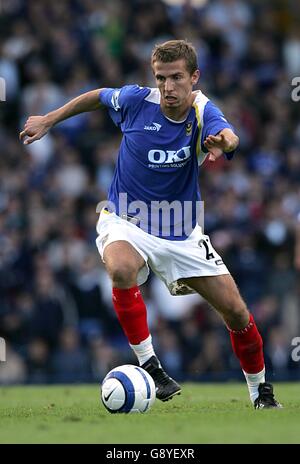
[55, 302]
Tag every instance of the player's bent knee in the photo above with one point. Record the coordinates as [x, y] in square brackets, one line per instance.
[234, 311]
[123, 274]
[232, 306]
[240, 315]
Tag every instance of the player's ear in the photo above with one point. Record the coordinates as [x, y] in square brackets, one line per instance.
[195, 76]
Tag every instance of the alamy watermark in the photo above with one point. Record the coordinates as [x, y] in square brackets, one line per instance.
[2, 349]
[2, 89]
[158, 218]
[296, 91]
[295, 354]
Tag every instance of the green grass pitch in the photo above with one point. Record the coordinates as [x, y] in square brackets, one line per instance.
[204, 413]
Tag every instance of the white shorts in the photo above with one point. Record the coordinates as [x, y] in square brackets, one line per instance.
[170, 260]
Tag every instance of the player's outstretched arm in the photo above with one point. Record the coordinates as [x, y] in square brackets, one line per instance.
[37, 126]
[224, 142]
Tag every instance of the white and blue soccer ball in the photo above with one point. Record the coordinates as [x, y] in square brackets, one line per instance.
[128, 389]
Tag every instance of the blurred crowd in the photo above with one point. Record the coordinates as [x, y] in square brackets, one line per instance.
[56, 313]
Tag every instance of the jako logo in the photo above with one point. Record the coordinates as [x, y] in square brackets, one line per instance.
[169, 156]
[155, 127]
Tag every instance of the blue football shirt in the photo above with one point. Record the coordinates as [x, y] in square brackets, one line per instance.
[156, 177]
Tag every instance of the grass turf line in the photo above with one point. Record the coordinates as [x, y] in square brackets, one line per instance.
[204, 413]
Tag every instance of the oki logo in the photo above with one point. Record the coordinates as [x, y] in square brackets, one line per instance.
[170, 156]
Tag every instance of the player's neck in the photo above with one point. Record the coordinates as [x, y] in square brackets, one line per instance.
[181, 112]
[176, 114]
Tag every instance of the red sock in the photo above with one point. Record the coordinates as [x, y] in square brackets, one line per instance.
[247, 344]
[132, 314]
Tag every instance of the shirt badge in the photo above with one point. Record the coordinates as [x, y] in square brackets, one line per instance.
[188, 128]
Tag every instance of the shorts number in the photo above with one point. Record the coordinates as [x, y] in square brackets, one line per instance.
[205, 243]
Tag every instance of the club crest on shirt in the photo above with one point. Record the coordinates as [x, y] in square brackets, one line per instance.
[188, 128]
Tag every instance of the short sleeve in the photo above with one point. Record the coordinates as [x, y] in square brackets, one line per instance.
[213, 122]
[123, 102]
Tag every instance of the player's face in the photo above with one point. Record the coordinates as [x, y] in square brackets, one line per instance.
[175, 83]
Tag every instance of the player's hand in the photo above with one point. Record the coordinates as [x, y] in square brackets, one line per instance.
[219, 144]
[34, 129]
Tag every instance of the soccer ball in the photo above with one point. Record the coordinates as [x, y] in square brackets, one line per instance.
[127, 389]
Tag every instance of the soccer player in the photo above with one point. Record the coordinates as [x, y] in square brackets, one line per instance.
[167, 133]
